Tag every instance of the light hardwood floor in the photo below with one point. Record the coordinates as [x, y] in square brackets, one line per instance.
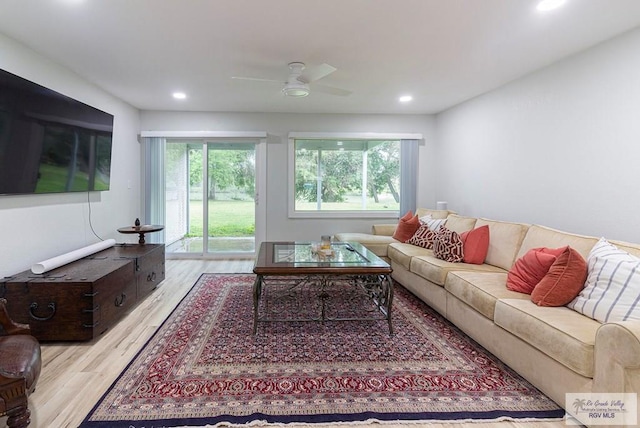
[75, 375]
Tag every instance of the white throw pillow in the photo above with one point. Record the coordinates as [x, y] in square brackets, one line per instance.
[424, 218]
[612, 290]
[432, 223]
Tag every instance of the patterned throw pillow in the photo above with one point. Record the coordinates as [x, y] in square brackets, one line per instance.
[612, 291]
[423, 237]
[448, 246]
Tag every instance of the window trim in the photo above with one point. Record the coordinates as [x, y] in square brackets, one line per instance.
[292, 213]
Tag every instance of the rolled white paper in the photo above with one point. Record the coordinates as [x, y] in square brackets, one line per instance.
[72, 256]
[441, 205]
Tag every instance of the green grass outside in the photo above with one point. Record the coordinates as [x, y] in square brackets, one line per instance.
[232, 218]
[352, 203]
[346, 206]
[226, 218]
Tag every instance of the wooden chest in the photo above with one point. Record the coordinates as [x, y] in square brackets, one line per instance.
[82, 299]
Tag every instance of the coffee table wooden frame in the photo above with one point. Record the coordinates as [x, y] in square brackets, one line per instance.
[371, 274]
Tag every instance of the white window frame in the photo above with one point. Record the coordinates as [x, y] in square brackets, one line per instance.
[292, 213]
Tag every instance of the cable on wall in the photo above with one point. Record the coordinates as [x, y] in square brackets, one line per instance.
[91, 225]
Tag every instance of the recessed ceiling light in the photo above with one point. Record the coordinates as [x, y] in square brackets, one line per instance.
[405, 98]
[179, 95]
[546, 5]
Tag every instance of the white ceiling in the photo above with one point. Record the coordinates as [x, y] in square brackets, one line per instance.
[440, 51]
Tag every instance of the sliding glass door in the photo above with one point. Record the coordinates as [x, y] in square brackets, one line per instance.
[210, 197]
[230, 194]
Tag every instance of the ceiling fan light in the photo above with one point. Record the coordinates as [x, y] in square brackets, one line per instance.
[296, 90]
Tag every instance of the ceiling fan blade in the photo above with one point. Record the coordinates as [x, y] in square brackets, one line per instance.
[331, 90]
[257, 79]
[316, 73]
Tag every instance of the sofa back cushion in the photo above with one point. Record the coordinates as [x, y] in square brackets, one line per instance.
[421, 212]
[541, 236]
[633, 249]
[505, 239]
[460, 224]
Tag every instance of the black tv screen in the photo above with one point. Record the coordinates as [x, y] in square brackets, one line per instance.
[50, 143]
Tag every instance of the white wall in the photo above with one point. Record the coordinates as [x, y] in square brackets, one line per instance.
[37, 227]
[279, 226]
[560, 147]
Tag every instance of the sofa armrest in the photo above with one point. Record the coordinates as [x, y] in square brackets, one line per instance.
[617, 357]
[383, 229]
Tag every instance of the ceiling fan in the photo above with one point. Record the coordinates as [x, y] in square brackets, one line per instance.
[301, 79]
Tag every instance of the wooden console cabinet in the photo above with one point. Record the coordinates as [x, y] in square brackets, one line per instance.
[82, 299]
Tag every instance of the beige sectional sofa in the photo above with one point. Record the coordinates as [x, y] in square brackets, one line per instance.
[555, 348]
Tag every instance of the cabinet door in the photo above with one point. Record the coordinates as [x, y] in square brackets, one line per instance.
[114, 296]
[150, 271]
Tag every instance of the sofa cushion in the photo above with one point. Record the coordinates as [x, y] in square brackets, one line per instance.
[612, 291]
[476, 244]
[376, 243]
[435, 270]
[383, 229]
[447, 245]
[407, 226]
[459, 223]
[563, 282]
[505, 241]
[540, 236]
[402, 253]
[563, 334]
[631, 248]
[529, 269]
[480, 290]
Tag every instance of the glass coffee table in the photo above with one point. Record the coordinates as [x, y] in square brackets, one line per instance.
[296, 282]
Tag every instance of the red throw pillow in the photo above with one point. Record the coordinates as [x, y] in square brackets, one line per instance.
[423, 237]
[529, 269]
[476, 244]
[447, 245]
[563, 282]
[407, 226]
[407, 216]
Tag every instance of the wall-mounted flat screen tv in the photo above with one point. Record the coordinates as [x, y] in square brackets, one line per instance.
[50, 143]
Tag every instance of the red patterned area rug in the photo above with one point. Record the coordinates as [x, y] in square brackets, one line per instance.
[204, 366]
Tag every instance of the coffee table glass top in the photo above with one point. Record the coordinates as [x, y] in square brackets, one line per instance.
[303, 252]
[295, 257]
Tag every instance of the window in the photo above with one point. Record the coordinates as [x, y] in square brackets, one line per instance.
[344, 177]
